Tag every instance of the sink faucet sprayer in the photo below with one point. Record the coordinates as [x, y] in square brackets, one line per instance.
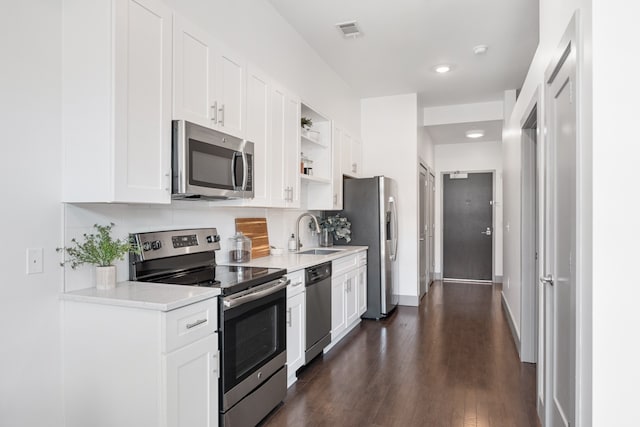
[297, 230]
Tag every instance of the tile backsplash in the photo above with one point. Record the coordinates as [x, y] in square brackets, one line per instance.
[80, 218]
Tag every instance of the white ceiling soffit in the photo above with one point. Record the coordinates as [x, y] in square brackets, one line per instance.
[455, 133]
[405, 39]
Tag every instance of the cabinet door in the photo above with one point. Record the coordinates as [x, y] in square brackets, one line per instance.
[345, 145]
[258, 132]
[337, 168]
[230, 92]
[361, 280]
[194, 74]
[356, 157]
[278, 189]
[351, 300]
[192, 384]
[142, 137]
[295, 333]
[338, 319]
[292, 150]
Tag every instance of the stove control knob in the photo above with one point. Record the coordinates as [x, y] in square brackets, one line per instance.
[156, 245]
[146, 246]
[216, 238]
[213, 239]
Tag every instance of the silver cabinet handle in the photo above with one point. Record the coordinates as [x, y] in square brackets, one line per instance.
[547, 280]
[335, 200]
[214, 107]
[295, 285]
[487, 231]
[290, 320]
[354, 167]
[221, 109]
[196, 323]
[168, 179]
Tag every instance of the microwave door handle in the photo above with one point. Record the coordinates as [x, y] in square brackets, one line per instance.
[245, 171]
[233, 170]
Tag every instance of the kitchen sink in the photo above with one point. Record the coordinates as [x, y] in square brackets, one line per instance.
[319, 251]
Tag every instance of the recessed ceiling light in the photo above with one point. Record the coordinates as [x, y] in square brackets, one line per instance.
[480, 49]
[442, 69]
[474, 134]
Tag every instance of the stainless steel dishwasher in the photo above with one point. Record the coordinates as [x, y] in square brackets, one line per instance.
[318, 287]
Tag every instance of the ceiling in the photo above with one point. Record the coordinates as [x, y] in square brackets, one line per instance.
[404, 39]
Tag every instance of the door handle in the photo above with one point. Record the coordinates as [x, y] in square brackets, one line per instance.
[487, 231]
[547, 280]
[214, 107]
[221, 110]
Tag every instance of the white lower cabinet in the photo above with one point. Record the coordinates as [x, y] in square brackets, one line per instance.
[348, 294]
[127, 366]
[296, 324]
[192, 384]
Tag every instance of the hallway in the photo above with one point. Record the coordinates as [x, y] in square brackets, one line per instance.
[449, 362]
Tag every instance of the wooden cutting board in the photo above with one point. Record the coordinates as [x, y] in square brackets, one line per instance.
[256, 230]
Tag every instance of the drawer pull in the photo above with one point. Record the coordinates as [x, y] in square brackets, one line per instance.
[196, 323]
[295, 285]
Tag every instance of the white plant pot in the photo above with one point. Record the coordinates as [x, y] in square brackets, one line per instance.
[106, 277]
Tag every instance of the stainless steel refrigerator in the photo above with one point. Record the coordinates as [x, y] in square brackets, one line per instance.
[370, 204]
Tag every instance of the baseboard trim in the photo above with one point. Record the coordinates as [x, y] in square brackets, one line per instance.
[512, 325]
[409, 300]
[484, 282]
[497, 279]
[437, 276]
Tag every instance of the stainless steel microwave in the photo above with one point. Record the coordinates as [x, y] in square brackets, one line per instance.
[208, 164]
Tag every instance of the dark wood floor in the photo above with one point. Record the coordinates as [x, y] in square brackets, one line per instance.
[449, 362]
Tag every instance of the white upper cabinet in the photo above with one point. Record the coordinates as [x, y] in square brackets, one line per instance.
[116, 101]
[336, 184]
[194, 82]
[351, 155]
[259, 132]
[210, 80]
[279, 191]
[230, 92]
[292, 150]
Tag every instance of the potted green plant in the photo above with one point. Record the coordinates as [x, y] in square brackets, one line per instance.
[100, 250]
[332, 227]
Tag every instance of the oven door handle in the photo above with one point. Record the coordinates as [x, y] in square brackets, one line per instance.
[230, 302]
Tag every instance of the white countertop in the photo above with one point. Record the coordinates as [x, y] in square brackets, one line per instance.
[151, 296]
[294, 261]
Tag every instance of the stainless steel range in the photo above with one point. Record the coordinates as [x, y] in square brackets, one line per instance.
[252, 316]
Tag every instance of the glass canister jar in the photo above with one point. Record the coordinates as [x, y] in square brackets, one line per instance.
[239, 248]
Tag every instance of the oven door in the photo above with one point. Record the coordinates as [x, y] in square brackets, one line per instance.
[253, 338]
[208, 163]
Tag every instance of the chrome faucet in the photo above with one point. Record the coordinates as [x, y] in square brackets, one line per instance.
[296, 234]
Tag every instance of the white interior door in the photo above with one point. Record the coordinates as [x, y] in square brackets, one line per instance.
[423, 230]
[560, 235]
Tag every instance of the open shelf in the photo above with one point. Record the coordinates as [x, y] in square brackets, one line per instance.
[313, 178]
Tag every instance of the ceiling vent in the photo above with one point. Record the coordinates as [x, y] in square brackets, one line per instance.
[349, 30]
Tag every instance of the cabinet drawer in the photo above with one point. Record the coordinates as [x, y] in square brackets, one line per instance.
[362, 258]
[188, 324]
[344, 264]
[297, 283]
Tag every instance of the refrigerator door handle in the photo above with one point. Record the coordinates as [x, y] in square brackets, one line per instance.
[394, 228]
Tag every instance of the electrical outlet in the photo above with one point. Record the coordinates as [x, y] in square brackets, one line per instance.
[35, 260]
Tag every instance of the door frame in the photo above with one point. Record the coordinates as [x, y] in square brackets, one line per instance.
[423, 204]
[532, 223]
[440, 213]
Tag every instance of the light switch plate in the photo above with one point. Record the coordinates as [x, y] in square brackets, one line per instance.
[35, 260]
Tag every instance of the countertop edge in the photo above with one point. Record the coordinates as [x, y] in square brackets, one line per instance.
[110, 297]
[293, 262]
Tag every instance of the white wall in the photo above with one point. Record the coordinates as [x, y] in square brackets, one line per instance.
[616, 290]
[426, 147]
[32, 215]
[390, 148]
[470, 157]
[30, 393]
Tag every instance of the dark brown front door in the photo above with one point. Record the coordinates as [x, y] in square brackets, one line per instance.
[468, 226]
